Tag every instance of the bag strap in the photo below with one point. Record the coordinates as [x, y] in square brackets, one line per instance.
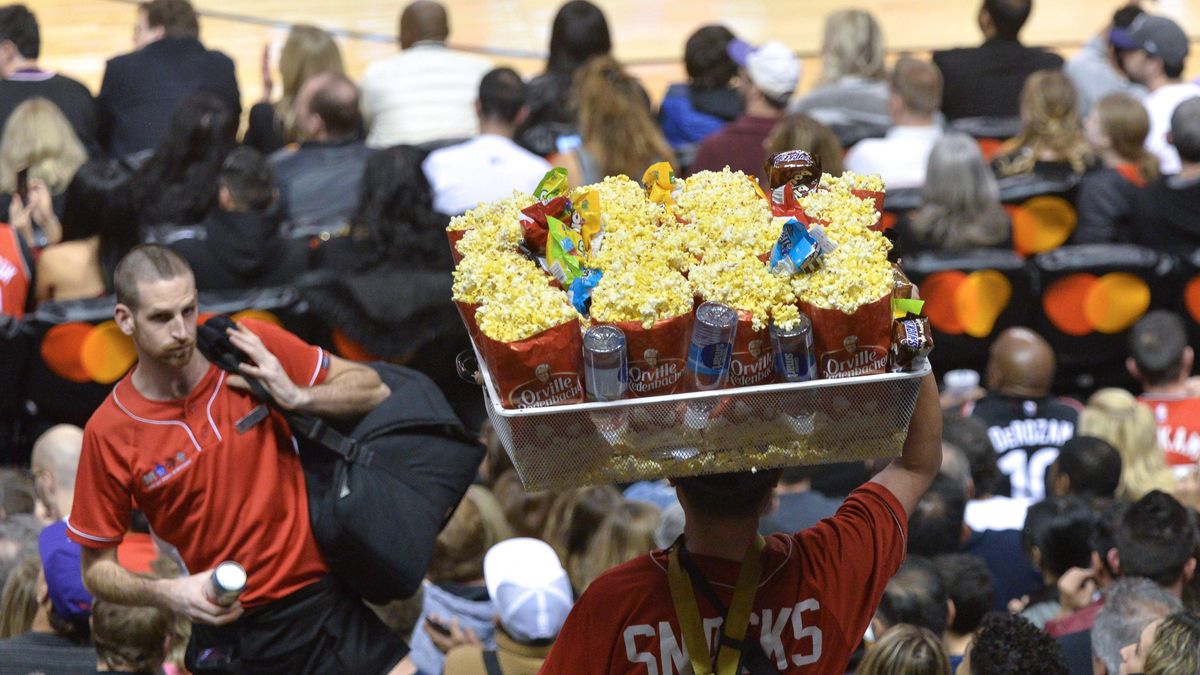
[310, 427]
[736, 620]
[491, 662]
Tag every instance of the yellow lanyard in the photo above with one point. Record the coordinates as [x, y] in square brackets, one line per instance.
[736, 621]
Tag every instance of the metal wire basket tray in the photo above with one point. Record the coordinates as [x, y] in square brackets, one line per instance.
[762, 427]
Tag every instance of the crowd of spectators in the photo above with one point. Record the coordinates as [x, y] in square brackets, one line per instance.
[1056, 534]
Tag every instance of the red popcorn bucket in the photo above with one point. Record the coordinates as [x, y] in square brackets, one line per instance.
[751, 363]
[467, 310]
[876, 198]
[543, 370]
[657, 355]
[847, 345]
[454, 236]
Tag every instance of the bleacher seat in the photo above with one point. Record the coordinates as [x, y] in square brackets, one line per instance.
[1042, 211]
[989, 132]
[898, 205]
[970, 297]
[1091, 295]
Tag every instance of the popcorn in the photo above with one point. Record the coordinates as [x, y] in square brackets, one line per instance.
[853, 181]
[856, 272]
[492, 214]
[839, 206]
[743, 282]
[479, 276]
[645, 292]
[725, 215]
[785, 316]
[518, 312]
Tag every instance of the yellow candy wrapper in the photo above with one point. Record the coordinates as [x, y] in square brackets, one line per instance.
[589, 223]
[661, 186]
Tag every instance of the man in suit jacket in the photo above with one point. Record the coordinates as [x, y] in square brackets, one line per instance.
[142, 88]
[986, 81]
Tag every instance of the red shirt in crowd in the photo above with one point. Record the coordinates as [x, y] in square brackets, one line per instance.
[1178, 426]
[741, 145]
[212, 492]
[818, 593]
[14, 273]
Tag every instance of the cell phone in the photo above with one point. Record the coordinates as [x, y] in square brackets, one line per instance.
[438, 626]
[23, 186]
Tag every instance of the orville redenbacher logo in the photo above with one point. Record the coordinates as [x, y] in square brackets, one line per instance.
[854, 359]
[547, 389]
[751, 367]
[653, 374]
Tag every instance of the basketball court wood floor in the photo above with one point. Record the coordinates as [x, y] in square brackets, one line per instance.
[79, 35]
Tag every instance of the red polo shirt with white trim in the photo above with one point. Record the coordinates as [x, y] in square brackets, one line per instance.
[213, 492]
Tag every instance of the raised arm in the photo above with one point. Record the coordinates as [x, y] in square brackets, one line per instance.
[349, 389]
[910, 474]
[107, 580]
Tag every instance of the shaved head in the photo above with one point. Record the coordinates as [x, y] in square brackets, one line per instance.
[1021, 364]
[55, 461]
[146, 263]
[423, 20]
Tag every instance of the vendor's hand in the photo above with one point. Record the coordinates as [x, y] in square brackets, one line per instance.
[266, 369]
[458, 636]
[192, 597]
[1076, 588]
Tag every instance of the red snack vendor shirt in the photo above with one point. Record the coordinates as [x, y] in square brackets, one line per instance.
[818, 593]
[212, 492]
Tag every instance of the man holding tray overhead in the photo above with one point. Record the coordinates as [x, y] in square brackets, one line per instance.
[723, 599]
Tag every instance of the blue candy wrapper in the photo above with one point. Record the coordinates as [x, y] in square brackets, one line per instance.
[579, 294]
[799, 248]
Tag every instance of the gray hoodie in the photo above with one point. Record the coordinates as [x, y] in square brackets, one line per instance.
[477, 615]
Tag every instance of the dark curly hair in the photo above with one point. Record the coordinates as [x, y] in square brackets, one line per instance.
[1008, 644]
[395, 222]
[178, 184]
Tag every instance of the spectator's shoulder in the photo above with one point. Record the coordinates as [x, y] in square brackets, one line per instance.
[220, 57]
[954, 56]
[127, 60]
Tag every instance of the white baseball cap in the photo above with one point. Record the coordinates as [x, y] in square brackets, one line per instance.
[772, 67]
[528, 587]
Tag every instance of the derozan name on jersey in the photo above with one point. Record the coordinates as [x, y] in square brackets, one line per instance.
[547, 389]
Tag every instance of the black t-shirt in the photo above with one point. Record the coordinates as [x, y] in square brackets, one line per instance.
[1167, 216]
[1027, 434]
[71, 97]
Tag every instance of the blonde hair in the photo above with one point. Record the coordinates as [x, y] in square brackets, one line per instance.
[1114, 415]
[1126, 122]
[1176, 646]
[1050, 126]
[18, 603]
[852, 45]
[906, 650]
[477, 524]
[797, 131]
[38, 137]
[625, 534]
[616, 125]
[307, 52]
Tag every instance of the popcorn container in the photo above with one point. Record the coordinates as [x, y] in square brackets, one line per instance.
[657, 355]
[752, 362]
[454, 236]
[467, 310]
[544, 370]
[848, 345]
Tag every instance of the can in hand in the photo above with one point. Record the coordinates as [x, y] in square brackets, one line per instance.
[794, 357]
[605, 364]
[712, 346]
[228, 582]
